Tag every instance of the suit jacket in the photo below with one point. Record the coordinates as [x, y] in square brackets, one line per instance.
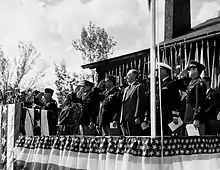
[195, 101]
[133, 103]
[110, 107]
[212, 104]
[170, 101]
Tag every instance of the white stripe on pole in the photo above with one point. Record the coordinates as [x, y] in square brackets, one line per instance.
[152, 68]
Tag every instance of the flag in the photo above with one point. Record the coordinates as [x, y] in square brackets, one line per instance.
[180, 59]
[202, 61]
[9, 122]
[176, 56]
[190, 54]
[171, 61]
[36, 122]
[208, 60]
[165, 60]
[214, 78]
[197, 53]
[185, 56]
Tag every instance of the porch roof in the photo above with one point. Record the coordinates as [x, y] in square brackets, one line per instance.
[209, 27]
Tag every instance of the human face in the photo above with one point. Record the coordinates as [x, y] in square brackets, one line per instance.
[193, 72]
[86, 88]
[131, 77]
[163, 73]
[107, 84]
[47, 96]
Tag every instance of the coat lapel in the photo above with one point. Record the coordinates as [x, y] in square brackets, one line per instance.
[125, 93]
[130, 91]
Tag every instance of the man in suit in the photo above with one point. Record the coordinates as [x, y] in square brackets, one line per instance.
[211, 112]
[212, 108]
[196, 97]
[170, 100]
[133, 105]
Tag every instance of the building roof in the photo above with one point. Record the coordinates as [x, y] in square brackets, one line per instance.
[117, 59]
[209, 27]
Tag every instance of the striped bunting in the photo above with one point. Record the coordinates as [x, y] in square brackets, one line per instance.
[117, 153]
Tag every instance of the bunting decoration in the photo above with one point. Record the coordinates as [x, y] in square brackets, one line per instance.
[10, 114]
[3, 137]
[34, 120]
[118, 153]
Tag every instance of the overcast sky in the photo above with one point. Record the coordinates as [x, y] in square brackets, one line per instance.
[52, 24]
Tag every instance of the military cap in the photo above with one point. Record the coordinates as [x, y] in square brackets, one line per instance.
[110, 78]
[87, 83]
[163, 65]
[48, 90]
[195, 64]
[36, 92]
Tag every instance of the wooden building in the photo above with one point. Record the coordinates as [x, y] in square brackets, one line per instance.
[181, 44]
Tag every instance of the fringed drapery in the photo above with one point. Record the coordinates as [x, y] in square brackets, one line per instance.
[117, 153]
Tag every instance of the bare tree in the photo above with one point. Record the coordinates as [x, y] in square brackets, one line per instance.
[26, 60]
[13, 72]
[4, 73]
[66, 81]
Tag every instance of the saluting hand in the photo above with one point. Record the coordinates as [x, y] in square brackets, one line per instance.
[137, 121]
[91, 125]
[196, 123]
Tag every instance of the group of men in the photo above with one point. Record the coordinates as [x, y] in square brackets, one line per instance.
[108, 109]
[126, 111]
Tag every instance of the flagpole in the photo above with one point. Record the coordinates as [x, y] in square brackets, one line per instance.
[153, 67]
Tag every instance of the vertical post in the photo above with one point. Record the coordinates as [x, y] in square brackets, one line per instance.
[10, 136]
[152, 68]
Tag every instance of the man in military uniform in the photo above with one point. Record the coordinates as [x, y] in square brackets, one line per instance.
[196, 97]
[109, 113]
[51, 105]
[90, 103]
[170, 100]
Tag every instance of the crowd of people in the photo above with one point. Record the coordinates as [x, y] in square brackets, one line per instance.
[108, 109]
